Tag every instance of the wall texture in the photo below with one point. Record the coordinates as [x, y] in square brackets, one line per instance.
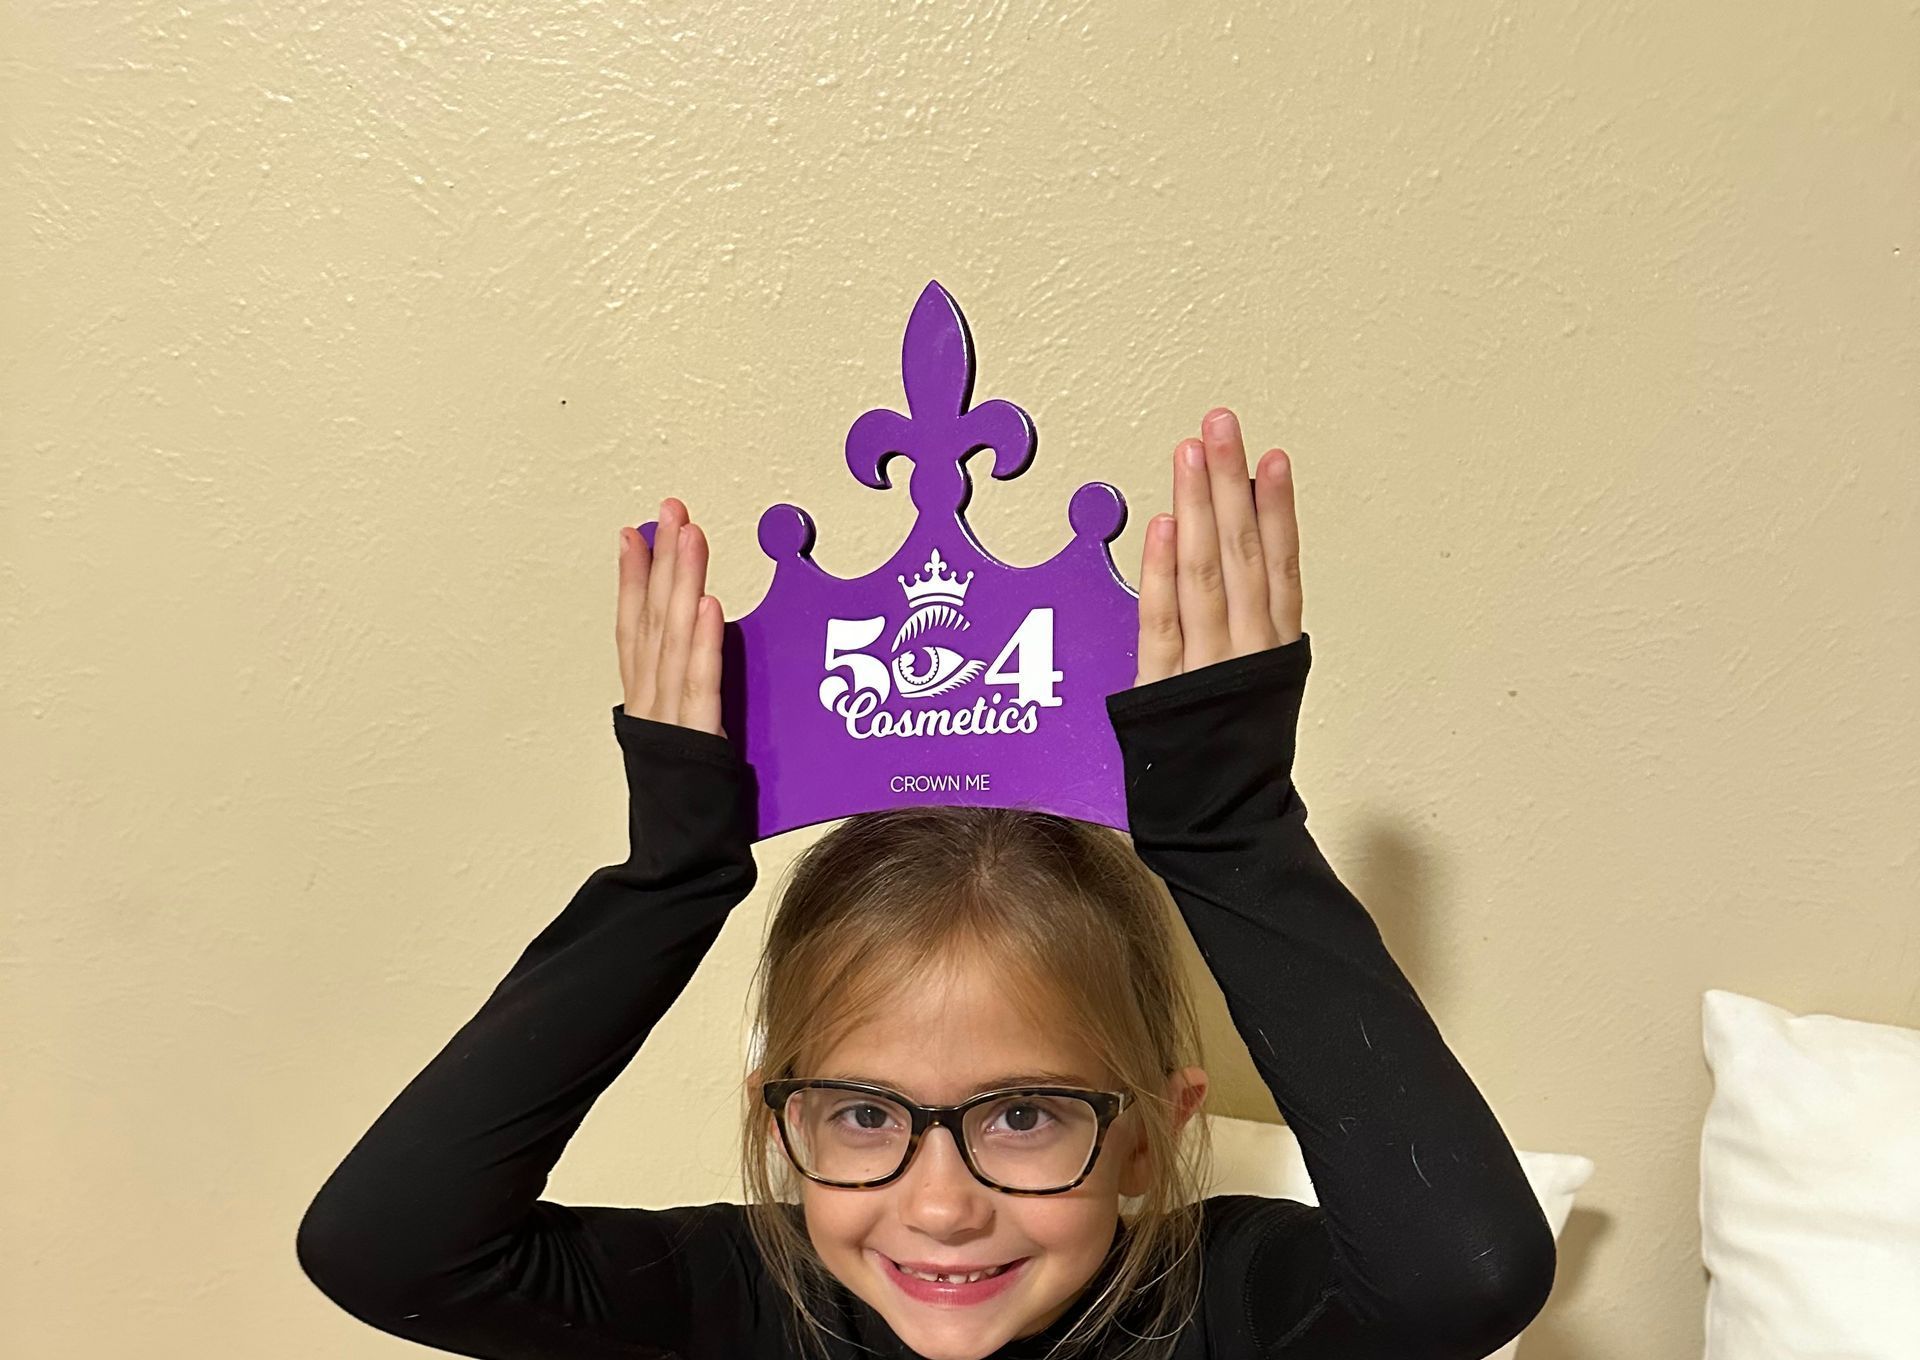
[339, 337]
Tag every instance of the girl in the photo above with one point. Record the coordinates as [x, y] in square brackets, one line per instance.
[975, 1057]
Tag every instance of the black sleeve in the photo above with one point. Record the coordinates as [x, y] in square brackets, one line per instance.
[1431, 1243]
[432, 1227]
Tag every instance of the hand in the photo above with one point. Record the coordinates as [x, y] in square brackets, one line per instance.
[1220, 576]
[666, 628]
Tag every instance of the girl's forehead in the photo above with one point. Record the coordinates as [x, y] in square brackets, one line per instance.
[968, 984]
[965, 1027]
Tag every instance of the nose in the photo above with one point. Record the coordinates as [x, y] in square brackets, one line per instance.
[939, 1196]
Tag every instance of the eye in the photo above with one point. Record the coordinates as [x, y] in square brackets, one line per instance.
[943, 670]
[865, 1117]
[1023, 1116]
[1033, 1121]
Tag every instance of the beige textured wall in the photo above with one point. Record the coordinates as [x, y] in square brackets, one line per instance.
[339, 338]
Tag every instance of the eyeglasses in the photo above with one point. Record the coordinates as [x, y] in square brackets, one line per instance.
[1027, 1140]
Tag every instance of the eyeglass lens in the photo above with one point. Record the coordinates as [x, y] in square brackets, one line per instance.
[1024, 1142]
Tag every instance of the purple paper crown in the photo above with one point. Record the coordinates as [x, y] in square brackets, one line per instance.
[945, 676]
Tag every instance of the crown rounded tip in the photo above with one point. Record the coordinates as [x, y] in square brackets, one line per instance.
[785, 531]
[1097, 511]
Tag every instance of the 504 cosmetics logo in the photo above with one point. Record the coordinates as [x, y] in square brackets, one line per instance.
[932, 655]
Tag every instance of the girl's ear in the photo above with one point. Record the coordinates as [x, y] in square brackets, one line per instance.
[1190, 1093]
[1187, 1089]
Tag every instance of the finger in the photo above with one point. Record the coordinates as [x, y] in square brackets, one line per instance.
[635, 561]
[1243, 565]
[689, 584]
[659, 591]
[1280, 536]
[1158, 653]
[1196, 546]
[700, 703]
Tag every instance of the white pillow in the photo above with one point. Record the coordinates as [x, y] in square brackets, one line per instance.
[1809, 1185]
[1251, 1158]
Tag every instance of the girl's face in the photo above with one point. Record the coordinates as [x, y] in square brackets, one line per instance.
[938, 1044]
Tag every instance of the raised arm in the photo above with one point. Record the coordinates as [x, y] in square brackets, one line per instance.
[432, 1227]
[1434, 1244]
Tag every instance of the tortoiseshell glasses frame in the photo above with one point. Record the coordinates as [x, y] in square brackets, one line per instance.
[1106, 1106]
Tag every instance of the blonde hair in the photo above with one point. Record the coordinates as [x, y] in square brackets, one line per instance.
[1061, 904]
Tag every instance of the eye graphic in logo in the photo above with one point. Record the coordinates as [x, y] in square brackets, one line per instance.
[935, 619]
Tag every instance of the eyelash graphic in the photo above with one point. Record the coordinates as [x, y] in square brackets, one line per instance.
[933, 616]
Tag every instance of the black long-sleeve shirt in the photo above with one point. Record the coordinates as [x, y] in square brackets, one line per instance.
[1428, 1243]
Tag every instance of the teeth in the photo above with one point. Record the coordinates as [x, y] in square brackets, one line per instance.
[952, 1279]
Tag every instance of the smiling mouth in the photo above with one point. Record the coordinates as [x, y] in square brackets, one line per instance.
[969, 1277]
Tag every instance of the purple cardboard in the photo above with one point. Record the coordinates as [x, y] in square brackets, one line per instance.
[945, 676]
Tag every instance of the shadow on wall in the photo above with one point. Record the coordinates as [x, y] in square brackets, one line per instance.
[1545, 1339]
[1399, 877]
[1396, 878]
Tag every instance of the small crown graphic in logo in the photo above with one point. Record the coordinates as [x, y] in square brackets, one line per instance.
[833, 720]
[940, 587]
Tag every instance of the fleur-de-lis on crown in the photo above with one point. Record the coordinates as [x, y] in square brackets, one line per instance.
[936, 367]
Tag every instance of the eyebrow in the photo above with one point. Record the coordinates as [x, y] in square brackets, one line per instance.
[990, 1084]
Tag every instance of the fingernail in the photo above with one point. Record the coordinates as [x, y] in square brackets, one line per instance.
[622, 538]
[1219, 422]
[1191, 453]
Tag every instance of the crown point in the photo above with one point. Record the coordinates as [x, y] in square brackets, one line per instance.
[785, 531]
[1097, 512]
